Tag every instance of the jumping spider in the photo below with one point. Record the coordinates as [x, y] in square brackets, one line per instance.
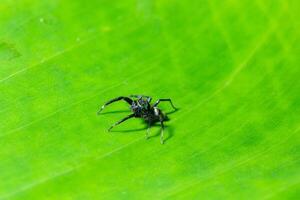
[141, 108]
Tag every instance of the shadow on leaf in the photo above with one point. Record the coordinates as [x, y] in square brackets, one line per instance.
[115, 112]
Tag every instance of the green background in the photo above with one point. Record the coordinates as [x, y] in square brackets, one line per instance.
[232, 67]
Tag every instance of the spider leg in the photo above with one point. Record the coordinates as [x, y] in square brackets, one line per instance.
[122, 120]
[139, 96]
[160, 117]
[161, 129]
[160, 100]
[149, 99]
[128, 100]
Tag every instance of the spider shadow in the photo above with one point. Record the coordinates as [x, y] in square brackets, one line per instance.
[154, 124]
[115, 112]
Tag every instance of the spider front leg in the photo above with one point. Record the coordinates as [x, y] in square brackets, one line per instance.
[122, 120]
[128, 100]
[160, 100]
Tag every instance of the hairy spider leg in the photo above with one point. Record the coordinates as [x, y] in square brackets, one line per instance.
[128, 100]
[160, 100]
[122, 120]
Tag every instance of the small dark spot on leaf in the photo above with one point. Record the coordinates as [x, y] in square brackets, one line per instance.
[8, 51]
[251, 136]
[48, 20]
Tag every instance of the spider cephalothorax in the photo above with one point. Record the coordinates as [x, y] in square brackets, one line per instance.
[141, 108]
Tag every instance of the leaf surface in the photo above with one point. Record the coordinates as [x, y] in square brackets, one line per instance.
[232, 67]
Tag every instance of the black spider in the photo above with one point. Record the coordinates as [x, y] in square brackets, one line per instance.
[141, 108]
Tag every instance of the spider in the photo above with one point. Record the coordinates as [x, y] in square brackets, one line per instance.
[141, 108]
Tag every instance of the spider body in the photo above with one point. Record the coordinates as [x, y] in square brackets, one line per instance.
[141, 108]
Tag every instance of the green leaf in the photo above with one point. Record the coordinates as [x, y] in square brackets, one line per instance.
[232, 67]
